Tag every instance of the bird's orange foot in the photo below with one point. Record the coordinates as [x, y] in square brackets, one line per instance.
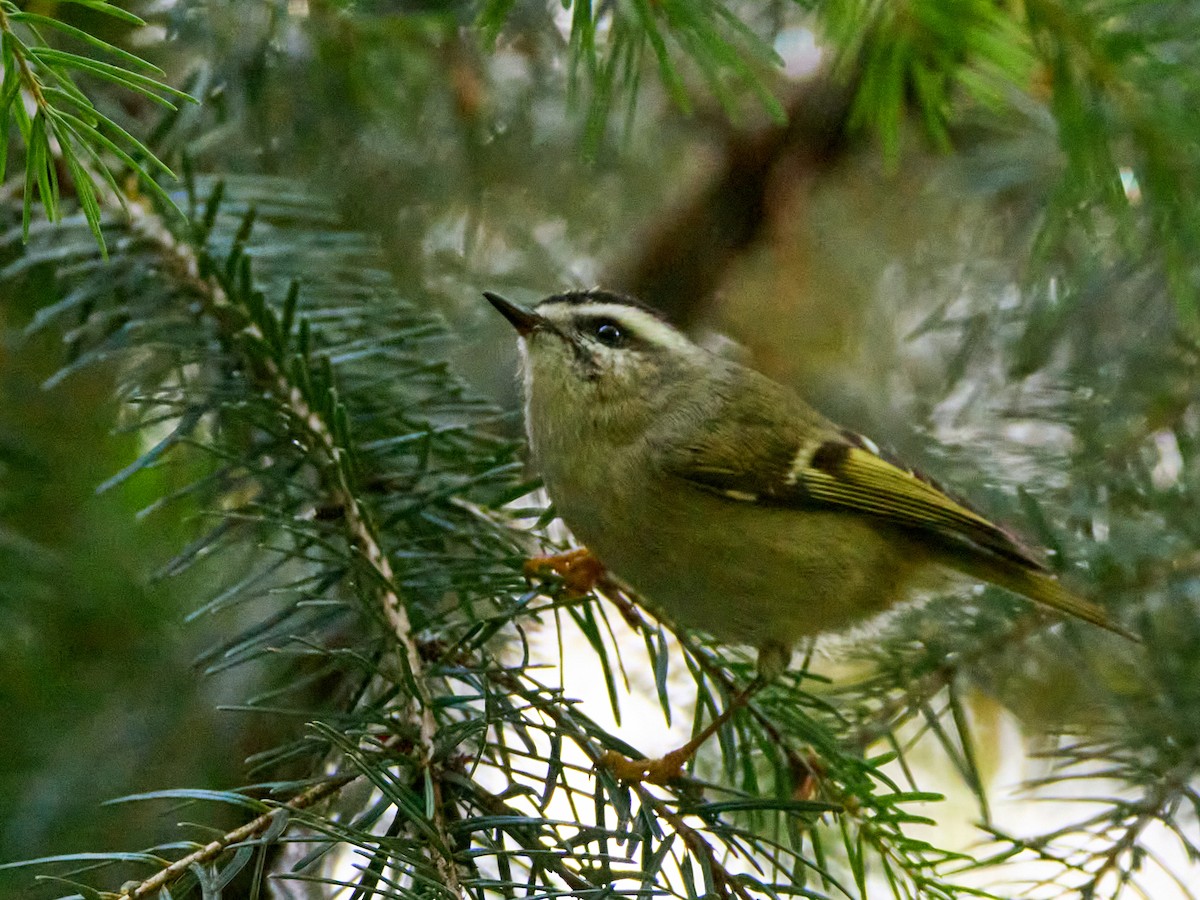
[667, 768]
[579, 570]
[661, 771]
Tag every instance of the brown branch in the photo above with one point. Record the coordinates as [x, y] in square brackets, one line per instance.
[251, 829]
[622, 596]
[726, 884]
[495, 806]
[679, 266]
[360, 532]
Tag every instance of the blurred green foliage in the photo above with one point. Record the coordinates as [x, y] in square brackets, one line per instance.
[97, 684]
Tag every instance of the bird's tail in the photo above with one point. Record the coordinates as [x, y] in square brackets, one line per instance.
[1047, 590]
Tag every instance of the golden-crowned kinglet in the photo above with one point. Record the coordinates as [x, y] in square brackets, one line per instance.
[723, 498]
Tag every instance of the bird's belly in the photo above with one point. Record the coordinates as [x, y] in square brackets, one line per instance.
[745, 573]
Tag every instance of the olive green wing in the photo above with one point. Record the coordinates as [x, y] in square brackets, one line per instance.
[819, 466]
[851, 474]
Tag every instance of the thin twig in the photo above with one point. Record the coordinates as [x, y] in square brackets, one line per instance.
[251, 829]
[900, 708]
[725, 883]
[1165, 791]
[495, 806]
[28, 77]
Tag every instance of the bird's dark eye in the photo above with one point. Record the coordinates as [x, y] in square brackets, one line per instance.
[609, 333]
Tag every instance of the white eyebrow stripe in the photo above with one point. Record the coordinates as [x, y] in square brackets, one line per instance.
[643, 324]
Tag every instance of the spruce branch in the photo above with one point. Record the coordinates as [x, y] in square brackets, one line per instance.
[1110, 847]
[726, 884]
[333, 517]
[252, 829]
[876, 821]
[494, 805]
[66, 129]
[361, 534]
[1164, 794]
[185, 267]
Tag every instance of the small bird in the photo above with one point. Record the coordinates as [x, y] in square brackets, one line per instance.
[727, 502]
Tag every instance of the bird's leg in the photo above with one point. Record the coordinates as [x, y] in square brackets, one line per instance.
[670, 766]
[772, 660]
[579, 570]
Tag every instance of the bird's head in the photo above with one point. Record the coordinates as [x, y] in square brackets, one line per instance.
[601, 354]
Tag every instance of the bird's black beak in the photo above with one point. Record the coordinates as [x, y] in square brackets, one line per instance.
[521, 319]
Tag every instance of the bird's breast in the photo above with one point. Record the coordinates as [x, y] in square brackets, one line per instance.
[742, 572]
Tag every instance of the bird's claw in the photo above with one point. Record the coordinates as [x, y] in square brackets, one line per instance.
[661, 771]
[579, 570]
